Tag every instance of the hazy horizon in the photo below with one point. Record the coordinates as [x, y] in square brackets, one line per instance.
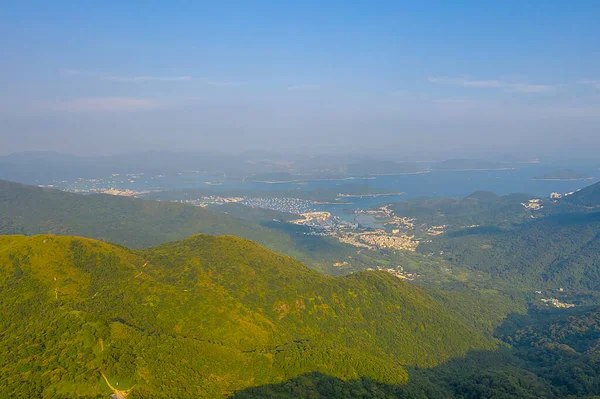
[414, 81]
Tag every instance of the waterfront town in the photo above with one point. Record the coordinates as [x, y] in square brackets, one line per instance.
[397, 271]
[373, 228]
[395, 236]
[394, 232]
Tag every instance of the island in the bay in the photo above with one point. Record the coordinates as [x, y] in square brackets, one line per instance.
[564, 175]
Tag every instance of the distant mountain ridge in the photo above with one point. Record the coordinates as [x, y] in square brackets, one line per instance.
[470, 164]
[378, 167]
[128, 221]
[44, 167]
[139, 223]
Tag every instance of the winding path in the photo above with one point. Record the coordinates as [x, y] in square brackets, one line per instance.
[117, 394]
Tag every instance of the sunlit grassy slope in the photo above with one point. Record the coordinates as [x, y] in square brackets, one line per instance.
[203, 317]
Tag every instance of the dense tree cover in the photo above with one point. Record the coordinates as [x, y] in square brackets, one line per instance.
[139, 224]
[204, 317]
[587, 197]
[479, 208]
[483, 309]
[547, 354]
[561, 250]
[127, 221]
[514, 247]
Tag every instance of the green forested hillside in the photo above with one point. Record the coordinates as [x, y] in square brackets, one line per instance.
[127, 221]
[203, 317]
[561, 250]
[546, 245]
[479, 208]
[586, 197]
[547, 354]
[140, 224]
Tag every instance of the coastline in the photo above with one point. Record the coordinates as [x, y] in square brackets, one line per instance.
[369, 195]
[330, 203]
[422, 172]
[472, 170]
[309, 180]
[559, 179]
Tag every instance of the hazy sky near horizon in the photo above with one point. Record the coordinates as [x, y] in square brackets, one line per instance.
[430, 77]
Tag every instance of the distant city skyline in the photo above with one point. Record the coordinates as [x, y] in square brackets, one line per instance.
[421, 80]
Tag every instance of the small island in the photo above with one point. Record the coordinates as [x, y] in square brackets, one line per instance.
[563, 175]
[467, 165]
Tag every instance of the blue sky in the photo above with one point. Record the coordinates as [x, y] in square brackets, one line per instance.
[436, 78]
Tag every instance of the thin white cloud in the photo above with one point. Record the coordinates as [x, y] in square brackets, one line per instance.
[304, 87]
[493, 84]
[530, 88]
[590, 82]
[123, 78]
[107, 104]
[464, 82]
[451, 101]
[217, 83]
[145, 78]
[73, 72]
[141, 79]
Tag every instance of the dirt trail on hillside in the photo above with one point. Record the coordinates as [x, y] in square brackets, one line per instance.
[117, 394]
